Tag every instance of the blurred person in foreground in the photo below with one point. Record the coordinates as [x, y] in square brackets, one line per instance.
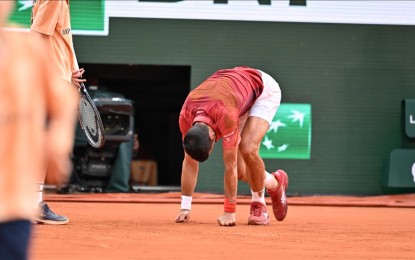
[30, 96]
[51, 26]
[238, 106]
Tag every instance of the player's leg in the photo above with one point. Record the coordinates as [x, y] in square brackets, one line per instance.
[265, 107]
[270, 182]
[46, 215]
[251, 137]
[258, 198]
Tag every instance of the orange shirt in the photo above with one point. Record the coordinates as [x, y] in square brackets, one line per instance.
[220, 100]
[29, 96]
[52, 18]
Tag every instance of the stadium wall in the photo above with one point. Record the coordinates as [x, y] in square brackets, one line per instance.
[354, 76]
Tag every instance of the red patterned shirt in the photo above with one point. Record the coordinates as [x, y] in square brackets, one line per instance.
[219, 102]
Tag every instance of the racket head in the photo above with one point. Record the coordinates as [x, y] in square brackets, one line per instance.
[90, 120]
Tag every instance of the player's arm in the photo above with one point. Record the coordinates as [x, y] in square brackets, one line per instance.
[228, 218]
[231, 173]
[190, 169]
[76, 71]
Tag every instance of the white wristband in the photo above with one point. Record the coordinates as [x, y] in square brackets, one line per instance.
[186, 202]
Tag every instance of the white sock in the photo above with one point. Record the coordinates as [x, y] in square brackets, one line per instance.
[270, 181]
[39, 192]
[258, 196]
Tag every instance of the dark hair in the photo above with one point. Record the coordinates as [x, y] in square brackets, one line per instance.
[197, 143]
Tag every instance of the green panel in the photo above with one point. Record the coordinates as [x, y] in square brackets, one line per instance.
[22, 13]
[289, 135]
[409, 105]
[401, 172]
[87, 17]
[354, 77]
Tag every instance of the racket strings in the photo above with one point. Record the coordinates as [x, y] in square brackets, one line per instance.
[89, 122]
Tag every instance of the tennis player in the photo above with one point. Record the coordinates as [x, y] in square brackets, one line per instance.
[51, 25]
[236, 105]
[29, 94]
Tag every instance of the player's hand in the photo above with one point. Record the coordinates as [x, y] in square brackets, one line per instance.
[184, 216]
[227, 219]
[77, 76]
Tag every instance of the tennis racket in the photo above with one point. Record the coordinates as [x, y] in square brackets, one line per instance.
[90, 119]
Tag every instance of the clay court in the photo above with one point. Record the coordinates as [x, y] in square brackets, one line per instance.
[141, 226]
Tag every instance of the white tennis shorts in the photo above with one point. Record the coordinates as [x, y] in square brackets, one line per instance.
[268, 102]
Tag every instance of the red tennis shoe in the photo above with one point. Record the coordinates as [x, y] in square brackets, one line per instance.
[279, 200]
[259, 214]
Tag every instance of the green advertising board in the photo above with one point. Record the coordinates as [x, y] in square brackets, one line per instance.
[289, 135]
[409, 113]
[401, 171]
[87, 17]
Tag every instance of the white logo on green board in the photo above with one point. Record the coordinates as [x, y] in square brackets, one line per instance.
[289, 134]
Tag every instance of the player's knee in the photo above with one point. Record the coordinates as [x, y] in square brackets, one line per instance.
[247, 149]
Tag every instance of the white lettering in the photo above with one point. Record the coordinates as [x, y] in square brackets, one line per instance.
[413, 171]
[411, 120]
[230, 134]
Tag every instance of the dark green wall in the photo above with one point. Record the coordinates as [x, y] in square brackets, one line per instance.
[355, 77]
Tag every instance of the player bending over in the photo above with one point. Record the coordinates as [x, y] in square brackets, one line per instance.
[238, 106]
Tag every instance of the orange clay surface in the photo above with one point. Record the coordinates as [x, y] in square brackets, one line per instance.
[141, 226]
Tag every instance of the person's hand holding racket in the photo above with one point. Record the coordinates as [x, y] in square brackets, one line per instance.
[183, 216]
[77, 76]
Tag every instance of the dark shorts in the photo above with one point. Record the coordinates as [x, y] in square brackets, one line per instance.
[14, 239]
